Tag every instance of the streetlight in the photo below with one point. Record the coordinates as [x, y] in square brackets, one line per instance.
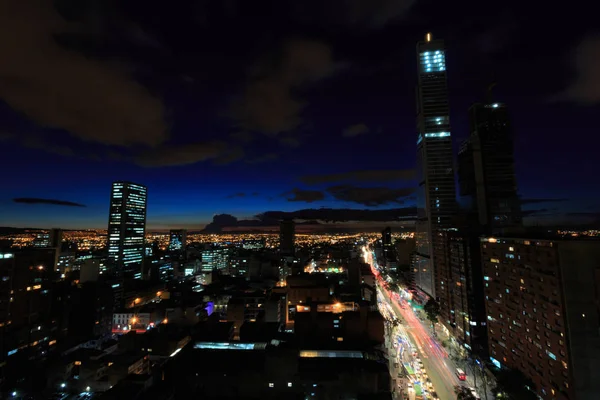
[63, 385]
[87, 389]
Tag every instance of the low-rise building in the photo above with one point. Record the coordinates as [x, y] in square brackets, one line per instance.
[234, 370]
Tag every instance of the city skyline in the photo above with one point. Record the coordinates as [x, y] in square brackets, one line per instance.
[223, 151]
[286, 199]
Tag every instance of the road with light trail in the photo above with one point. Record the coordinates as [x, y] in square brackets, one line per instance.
[439, 367]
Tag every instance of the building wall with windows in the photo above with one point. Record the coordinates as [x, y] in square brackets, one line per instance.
[27, 323]
[126, 321]
[127, 226]
[287, 237]
[486, 171]
[436, 197]
[216, 259]
[459, 287]
[542, 309]
[178, 240]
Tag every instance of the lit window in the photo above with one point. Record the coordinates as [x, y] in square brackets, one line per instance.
[271, 384]
[289, 384]
[437, 135]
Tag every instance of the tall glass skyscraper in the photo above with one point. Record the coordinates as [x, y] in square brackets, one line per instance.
[436, 194]
[486, 172]
[127, 226]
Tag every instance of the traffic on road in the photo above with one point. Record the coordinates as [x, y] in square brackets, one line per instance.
[420, 365]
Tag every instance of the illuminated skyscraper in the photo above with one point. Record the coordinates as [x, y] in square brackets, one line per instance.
[216, 259]
[386, 241]
[177, 240]
[436, 197]
[127, 226]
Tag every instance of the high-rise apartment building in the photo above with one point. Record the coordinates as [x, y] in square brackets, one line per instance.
[436, 197]
[239, 264]
[386, 242]
[459, 290]
[287, 237]
[127, 226]
[25, 302]
[177, 240]
[541, 298]
[51, 238]
[216, 259]
[486, 170]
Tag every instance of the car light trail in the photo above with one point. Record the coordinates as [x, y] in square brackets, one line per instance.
[427, 346]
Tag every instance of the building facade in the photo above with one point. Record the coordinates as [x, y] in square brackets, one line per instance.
[459, 288]
[216, 259]
[486, 170]
[436, 197]
[26, 323]
[386, 242]
[52, 238]
[541, 298]
[177, 240]
[287, 237]
[127, 227]
[253, 244]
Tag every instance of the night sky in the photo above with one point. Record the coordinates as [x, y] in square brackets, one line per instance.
[243, 107]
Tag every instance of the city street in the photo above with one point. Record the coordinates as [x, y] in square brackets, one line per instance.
[439, 368]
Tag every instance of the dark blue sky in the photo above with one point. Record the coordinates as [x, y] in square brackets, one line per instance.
[244, 107]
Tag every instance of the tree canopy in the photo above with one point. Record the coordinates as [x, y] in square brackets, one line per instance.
[512, 384]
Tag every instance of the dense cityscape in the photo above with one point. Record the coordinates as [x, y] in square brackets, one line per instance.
[457, 296]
